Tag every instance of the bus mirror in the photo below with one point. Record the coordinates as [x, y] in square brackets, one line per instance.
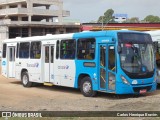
[119, 49]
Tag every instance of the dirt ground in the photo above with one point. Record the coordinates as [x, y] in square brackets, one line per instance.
[14, 97]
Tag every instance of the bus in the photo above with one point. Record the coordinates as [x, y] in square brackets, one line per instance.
[118, 61]
[156, 42]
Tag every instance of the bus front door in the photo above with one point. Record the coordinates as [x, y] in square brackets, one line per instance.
[11, 62]
[107, 68]
[48, 63]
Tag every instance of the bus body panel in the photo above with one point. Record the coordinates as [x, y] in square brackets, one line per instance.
[64, 74]
[32, 66]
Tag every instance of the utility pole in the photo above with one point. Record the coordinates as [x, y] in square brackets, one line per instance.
[102, 23]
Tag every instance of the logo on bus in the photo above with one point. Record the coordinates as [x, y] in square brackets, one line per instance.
[33, 65]
[63, 67]
[4, 63]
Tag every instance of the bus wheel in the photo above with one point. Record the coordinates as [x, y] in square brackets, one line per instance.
[86, 87]
[25, 80]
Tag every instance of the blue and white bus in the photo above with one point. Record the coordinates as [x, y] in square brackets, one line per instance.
[155, 35]
[119, 62]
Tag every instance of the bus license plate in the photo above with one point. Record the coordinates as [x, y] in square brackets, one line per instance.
[143, 91]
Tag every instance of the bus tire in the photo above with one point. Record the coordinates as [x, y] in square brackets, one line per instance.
[86, 87]
[25, 80]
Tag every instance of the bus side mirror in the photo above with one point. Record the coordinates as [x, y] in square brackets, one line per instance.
[119, 48]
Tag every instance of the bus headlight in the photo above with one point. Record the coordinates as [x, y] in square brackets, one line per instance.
[124, 80]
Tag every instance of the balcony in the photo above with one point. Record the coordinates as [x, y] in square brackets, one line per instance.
[4, 2]
[49, 2]
[8, 22]
[40, 12]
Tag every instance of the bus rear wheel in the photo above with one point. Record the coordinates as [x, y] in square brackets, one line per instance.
[25, 80]
[86, 87]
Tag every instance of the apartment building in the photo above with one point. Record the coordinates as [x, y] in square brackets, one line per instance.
[23, 18]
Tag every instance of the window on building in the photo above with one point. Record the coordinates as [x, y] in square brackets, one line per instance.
[4, 50]
[24, 50]
[35, 52]
[86, 48]
[67, 49]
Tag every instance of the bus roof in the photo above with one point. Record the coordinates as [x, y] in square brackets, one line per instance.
[36, 38]
[67, 36]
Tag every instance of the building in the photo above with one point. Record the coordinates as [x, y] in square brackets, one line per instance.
[120, 17]
[23, 18]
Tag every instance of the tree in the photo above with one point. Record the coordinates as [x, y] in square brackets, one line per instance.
[108, 17]
[134, 20]
[151, 19]
[100, 19]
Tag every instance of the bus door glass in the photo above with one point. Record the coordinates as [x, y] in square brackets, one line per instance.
[48, 63]
[107, 67]
[111, 68]
[11, 62]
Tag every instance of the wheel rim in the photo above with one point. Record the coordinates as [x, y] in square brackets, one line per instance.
[87, 87]
[25, 79]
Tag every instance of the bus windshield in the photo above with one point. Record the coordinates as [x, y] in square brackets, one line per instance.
[137, 58]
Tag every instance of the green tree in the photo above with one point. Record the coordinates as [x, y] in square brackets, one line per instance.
[134, 20]
[108, 16]
[151, 19]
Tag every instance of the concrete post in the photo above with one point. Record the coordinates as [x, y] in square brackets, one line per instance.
[29, 32]
[29, 7]
[60, 16]
[19, 5]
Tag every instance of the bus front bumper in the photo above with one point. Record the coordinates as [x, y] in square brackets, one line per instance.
[135, 89]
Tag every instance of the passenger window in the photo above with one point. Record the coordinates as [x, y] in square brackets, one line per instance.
[57, 50]
[35, 52]
[67, 49]
[86, 49]
[4, 50]
[24, 50]
[17, 50]
[47, 54]
[111, 56]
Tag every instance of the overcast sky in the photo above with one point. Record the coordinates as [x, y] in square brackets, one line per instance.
[88, 10]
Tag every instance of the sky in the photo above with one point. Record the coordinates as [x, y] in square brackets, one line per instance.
[88, 10]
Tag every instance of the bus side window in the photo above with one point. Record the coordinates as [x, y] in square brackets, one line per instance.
[86, 49]
[68, 49]
[57, 49]
[24, 50]
[111, 58]
[17, 50]
[35, 52]
[4, 51]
